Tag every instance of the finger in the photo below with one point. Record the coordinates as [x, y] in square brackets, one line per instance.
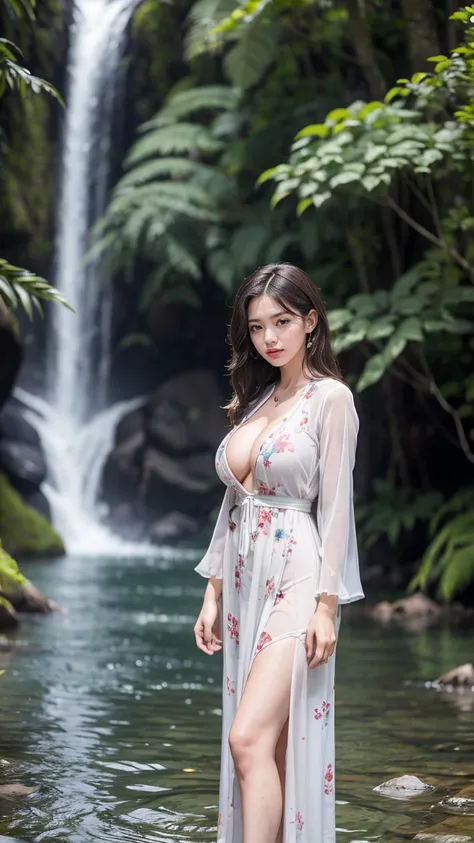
[207, 633]
[309, 643]
[319, 654]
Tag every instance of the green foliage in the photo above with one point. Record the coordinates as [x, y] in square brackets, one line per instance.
[163, 209]
[449, 559]
[17, 78]
[422, 302]
[18, 286]
[393, 511]
[392, 249]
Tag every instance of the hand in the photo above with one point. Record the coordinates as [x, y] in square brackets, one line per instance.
[206, 628]
[320, 637]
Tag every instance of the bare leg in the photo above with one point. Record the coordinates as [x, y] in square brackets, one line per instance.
[261, 716]
[280, 759]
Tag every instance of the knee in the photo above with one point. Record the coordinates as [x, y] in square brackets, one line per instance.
[243, 747]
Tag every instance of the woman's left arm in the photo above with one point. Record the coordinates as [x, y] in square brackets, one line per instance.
[338, 428]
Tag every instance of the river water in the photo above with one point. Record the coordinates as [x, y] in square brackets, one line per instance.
[112, 717]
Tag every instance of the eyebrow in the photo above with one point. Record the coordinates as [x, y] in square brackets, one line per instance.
[273, 316]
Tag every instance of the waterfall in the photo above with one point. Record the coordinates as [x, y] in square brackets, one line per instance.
[75, 427]
[80, 347]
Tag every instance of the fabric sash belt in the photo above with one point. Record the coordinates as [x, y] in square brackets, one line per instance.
[275, 502]
[250, 505]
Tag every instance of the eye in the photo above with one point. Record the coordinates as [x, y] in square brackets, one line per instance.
[254, 328]
[283, 321]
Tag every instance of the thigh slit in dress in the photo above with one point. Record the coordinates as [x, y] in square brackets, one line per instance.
[277, 550]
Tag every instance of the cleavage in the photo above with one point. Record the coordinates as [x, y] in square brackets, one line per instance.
[244, 446]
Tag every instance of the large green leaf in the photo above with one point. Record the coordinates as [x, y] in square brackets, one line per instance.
[255, 50]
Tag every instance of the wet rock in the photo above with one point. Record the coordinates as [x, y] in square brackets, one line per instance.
[462, 676]
[28, 599]
[440, 837]
[130, 426]
[416, 611]
[457, 804]
[192, 474]
[11, 353]
[8, 617]
[15, 427]
[173, 527]
[403, 787]
[14, 790]
[39, 502]
[184, 414]
[23, 464]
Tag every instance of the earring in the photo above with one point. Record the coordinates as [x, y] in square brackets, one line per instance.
[310, 341]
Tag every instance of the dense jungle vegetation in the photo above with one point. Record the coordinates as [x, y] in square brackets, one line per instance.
[338, 135]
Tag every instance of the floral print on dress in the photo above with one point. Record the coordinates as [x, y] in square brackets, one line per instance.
[230, 686]
[323, 713]
[279, 597]
[265, 516]
[299, 821]
[265, 489]
[264, 639]
[238, 574]
[269, 587]
[233, 627]
[280, 443]
[290, 545]
[328, 780]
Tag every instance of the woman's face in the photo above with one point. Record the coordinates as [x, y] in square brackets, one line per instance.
[277, 335]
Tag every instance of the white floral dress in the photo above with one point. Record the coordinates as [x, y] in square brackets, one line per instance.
[275, 559]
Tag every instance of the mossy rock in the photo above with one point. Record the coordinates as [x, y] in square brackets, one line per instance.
[24, 532]
[8, 617]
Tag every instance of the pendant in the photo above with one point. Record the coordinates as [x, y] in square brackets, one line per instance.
[275, 398]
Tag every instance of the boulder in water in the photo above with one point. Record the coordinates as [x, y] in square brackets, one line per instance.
[14, 790]
[459, 677]
[415, 606]
[403, 787]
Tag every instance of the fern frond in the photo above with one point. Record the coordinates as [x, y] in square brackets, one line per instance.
[180, 168]
[183, 198]
[458, 574]
[182, 137]
[203, 18]
[181, 259]
[186, 103]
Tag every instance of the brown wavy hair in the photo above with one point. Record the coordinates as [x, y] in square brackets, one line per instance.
[250, 374]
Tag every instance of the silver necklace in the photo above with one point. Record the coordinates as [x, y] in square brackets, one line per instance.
[276, 397]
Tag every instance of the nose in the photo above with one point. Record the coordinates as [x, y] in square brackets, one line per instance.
[270, 337]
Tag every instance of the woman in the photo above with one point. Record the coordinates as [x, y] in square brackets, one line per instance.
[278, 576]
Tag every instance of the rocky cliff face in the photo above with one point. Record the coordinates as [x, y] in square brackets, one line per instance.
[160, 481]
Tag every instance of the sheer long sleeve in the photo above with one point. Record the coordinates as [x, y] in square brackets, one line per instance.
[211, 563]
[338, 428]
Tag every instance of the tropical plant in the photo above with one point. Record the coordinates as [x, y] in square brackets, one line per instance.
[449, 559]
[393, 512]
[17, 285]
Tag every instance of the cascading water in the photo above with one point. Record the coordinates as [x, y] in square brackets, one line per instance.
[75, 429]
